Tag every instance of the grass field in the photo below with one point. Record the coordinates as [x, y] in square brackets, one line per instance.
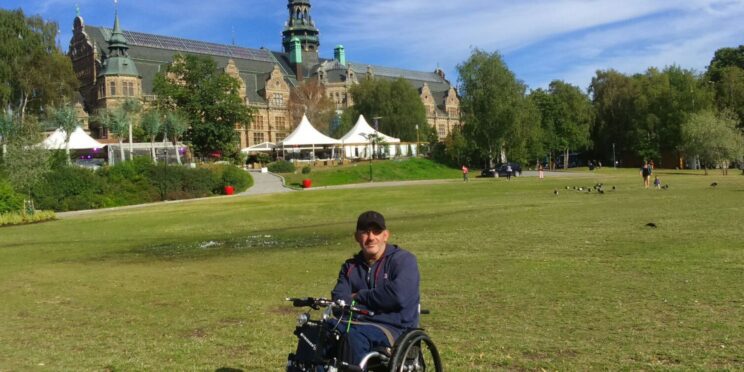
[516, 277]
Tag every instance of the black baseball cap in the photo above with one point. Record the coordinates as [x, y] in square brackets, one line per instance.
[370, 219]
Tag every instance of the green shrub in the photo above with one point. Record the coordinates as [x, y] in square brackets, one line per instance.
[177, 182]
[16, 218]
[281, 166]
[10, 201]
[306, 169]
[228, 175]
[128, 183]
[69, 188]
[235, 177]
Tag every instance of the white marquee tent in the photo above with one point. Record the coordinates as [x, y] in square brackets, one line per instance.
[305, 137]
[79, 140]
[356, 142]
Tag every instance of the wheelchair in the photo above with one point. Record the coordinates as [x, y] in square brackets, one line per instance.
[319, 344]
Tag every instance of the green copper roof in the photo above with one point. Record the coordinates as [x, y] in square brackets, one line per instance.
[117, 62]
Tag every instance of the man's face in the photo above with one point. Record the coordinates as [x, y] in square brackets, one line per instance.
[372, 241]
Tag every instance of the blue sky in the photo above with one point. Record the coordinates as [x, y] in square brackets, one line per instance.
[541, 40]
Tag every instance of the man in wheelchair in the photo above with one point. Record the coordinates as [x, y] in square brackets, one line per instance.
[383, 279]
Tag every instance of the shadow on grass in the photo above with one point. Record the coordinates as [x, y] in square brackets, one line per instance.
[228, 369]
[196, 250]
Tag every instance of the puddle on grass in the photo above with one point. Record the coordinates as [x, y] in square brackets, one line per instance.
[217, 247]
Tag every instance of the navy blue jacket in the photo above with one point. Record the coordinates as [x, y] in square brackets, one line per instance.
[394, 295]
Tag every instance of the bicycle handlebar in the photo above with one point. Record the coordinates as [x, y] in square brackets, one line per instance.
[317, 303]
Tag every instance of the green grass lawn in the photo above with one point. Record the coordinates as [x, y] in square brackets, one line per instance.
[516, 277]
[382, 170]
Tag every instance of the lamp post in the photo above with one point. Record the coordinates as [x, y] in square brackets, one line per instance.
[377, 130]
[370, 137]
[614, 162]
[164, 182]
[417, 141]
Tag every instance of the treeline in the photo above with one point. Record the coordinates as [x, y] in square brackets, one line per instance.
[671, 116]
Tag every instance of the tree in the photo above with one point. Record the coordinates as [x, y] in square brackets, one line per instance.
[6, 128]
[396, 103]
[310, 99]
[116, 121]
[613, 96]
[33, 73]
[713, 139]
[131, 109]
[573, 117]
[25, 163]
[64, 118]
[726, 72]
[491, 103]
[174, 126]
[152, 124]
[730, 92]
[210, 100]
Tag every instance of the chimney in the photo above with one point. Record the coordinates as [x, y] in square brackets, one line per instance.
[339, 55]
[295, 57]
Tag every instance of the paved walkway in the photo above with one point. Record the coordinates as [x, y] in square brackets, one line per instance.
[265, 183]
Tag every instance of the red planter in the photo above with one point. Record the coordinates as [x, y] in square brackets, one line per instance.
[229, 190]
[306, 183]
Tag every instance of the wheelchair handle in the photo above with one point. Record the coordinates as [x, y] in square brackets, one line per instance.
[317, 303]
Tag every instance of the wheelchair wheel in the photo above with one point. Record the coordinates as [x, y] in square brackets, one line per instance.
[415, 351]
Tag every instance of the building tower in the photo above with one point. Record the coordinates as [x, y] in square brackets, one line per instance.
[118, 79]
[301, 26]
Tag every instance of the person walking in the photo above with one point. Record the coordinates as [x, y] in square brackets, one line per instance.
[465, 171]
[646, 174]
[508, 172]
[540, 171]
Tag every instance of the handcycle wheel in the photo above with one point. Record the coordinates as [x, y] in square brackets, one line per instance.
[415, 351]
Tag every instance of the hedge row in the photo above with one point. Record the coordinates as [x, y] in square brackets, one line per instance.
[17, 218]
[68, 188]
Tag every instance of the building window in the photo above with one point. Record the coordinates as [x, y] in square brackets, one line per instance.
[258, 137]
[258, 122]
[279, 121]
[278, 99]
[442, 130]
[130, 88]
[112, 88]
[280, 137]
[452, 111]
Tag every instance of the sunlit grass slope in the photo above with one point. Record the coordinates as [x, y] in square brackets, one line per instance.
[516, 277]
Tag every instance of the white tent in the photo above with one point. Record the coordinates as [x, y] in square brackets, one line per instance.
[305, 136]
[79, 140]
[360, 132]
[261, 147]
[356, 142]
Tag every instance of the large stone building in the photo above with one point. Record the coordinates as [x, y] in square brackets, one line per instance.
[114, 64]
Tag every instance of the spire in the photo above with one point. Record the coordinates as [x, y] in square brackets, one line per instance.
[118, 61]
[300, 25]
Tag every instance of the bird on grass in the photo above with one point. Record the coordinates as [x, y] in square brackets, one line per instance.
[714, 184]
[651, 225]
[613, 188]
[665, 187]
[600, 191]
[555, 192]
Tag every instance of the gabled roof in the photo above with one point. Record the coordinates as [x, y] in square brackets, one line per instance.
[78, 141]
[306, 134]
[361, 131]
